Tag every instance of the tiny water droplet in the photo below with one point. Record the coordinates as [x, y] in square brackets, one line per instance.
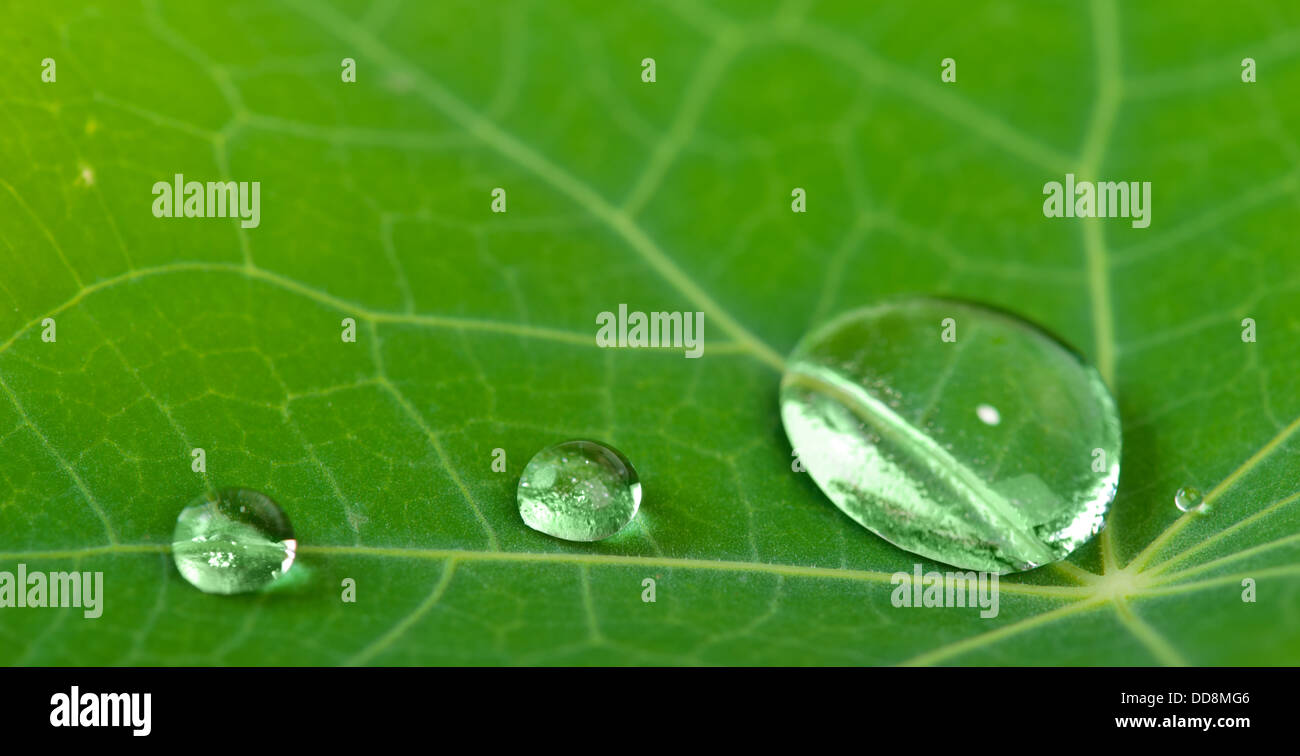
[235, 540]
[579, 491]
[880, 408]
[1190, 499]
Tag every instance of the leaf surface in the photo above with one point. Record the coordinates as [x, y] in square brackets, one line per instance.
[475, 330]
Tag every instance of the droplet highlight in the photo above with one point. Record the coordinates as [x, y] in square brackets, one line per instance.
[579, 491]
[235, 540]
[1189, 499]
[880, 408]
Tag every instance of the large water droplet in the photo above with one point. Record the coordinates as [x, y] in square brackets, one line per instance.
[1188, 499]
[579, 491]
[234, 540]
[1000, 451]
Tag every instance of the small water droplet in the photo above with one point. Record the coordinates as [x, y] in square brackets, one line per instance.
[1190, 499]
[579, 491]
[235, 540]
[928, 474]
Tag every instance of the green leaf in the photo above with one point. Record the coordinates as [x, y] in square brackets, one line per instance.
[475, 329]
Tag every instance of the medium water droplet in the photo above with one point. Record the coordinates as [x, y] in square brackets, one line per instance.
[234, 540]
[579, 491]
[1188, 499]
[930, 475]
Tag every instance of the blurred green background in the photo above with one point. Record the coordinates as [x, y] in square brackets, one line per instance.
[475, 329]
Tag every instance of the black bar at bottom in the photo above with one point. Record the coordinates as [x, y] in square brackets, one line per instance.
[332, 706]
